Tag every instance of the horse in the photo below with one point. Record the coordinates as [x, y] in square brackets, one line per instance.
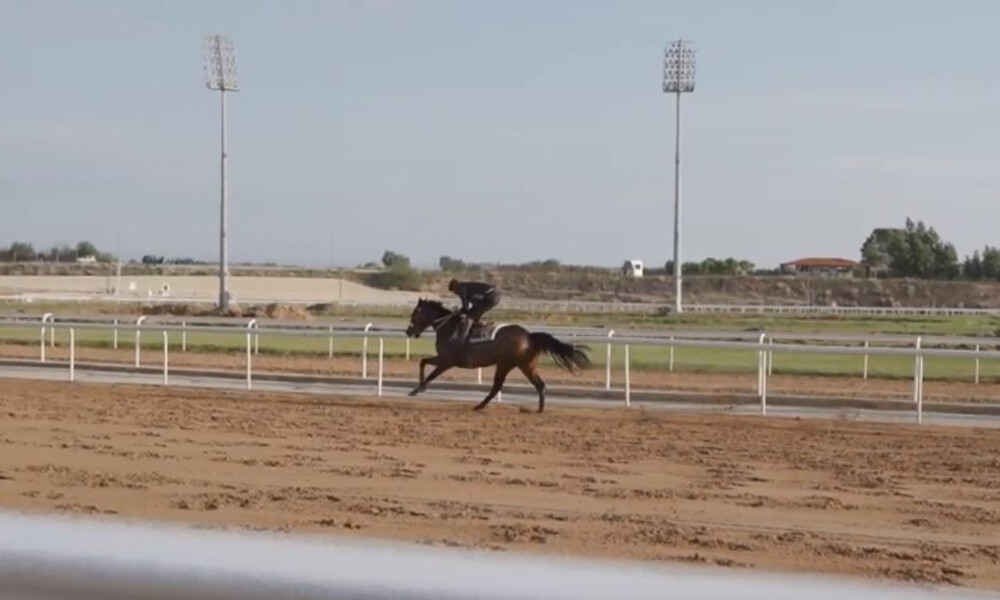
[509, 346]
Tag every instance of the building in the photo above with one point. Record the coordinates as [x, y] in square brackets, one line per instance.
[822, 267]
[632, 268]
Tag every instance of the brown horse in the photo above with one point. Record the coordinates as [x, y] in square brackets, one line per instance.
[509, 346]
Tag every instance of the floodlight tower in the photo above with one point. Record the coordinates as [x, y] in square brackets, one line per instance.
[220, 74]
[678, 78]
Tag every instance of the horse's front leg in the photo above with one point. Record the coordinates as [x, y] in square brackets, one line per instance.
[421, 384]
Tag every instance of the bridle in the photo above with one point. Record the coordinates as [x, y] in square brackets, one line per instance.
[440, 321]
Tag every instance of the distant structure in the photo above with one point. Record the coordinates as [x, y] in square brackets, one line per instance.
[632, 268]
[822, 267]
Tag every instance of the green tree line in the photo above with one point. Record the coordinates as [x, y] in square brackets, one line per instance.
[26, 252]
[918, 251]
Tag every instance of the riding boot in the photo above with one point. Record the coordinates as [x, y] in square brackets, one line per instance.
[464, 328]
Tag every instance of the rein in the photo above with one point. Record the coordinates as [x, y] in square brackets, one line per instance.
[440, 321]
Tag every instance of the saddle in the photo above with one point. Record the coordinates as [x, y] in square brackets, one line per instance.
[482, 331]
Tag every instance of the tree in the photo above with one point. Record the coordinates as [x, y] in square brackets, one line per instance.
[21, 252]
[875, 250]
[450, 264]
[972, 268]
[86, 249]
[713, 266]
[991, 263]
[982, 266]
[914, 251]
[391, 259]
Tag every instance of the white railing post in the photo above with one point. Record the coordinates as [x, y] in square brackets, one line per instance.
[628, 378]
[917, 375]
[364, 352]
[919, 385]
[256, 337]
[166, 360]
[770, 357]
[407, 349]
[184, 336]
[976, 376]
[607, 362]
[864, 372]
[114, 335]
[72, 355]
[249, 362]
[45, 318]
[762, 366]
[252, 328]
[381, 351]
[329, 344]
[479, 376]
[671, 354]
[138, 339]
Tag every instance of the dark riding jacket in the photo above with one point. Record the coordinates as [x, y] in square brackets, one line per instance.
[473, 292]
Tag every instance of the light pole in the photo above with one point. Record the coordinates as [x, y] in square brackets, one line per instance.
[220, 74]
[678, 78]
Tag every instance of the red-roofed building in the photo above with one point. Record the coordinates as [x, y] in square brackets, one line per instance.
[836, 267]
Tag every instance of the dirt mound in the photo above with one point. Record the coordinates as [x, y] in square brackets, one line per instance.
[274, 310]
[787, 290]
[175, 309]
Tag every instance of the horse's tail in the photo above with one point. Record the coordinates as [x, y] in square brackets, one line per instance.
[567, 356]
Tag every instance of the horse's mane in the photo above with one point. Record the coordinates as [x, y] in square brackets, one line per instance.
[435, 304]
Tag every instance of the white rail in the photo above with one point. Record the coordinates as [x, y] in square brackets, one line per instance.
[396, 324]
[763, 346]
[45, 557]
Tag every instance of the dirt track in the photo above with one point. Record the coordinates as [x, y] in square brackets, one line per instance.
[884, 501]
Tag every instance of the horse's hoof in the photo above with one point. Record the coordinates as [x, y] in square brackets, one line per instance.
[477, 408]
[413, 393]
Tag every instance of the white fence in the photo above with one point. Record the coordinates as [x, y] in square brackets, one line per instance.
[763, 344]
[49, 558]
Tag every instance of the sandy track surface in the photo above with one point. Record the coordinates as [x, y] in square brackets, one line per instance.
[722, 383]
[896, 502]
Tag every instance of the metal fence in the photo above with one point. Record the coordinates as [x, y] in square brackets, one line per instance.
[762, 344]
[50, 558]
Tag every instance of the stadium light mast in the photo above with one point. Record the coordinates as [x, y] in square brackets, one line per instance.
[220, 74]
[678, 78]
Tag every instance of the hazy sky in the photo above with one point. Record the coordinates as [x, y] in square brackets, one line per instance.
[499, 131]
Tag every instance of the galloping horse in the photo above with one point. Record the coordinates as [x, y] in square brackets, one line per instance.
[509, 346]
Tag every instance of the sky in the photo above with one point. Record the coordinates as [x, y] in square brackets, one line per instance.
[498, 131]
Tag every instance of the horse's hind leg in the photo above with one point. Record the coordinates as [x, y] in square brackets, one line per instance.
[531, 373]
[498, 379]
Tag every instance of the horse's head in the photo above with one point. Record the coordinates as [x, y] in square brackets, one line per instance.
[420, 319]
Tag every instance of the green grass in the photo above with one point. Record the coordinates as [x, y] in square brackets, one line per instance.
[642, 358]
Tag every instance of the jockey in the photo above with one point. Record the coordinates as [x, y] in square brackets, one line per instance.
[477, 298]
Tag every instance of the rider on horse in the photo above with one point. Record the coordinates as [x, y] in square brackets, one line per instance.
[477, 297]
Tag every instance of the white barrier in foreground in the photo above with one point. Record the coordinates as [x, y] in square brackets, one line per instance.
[58, 557]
